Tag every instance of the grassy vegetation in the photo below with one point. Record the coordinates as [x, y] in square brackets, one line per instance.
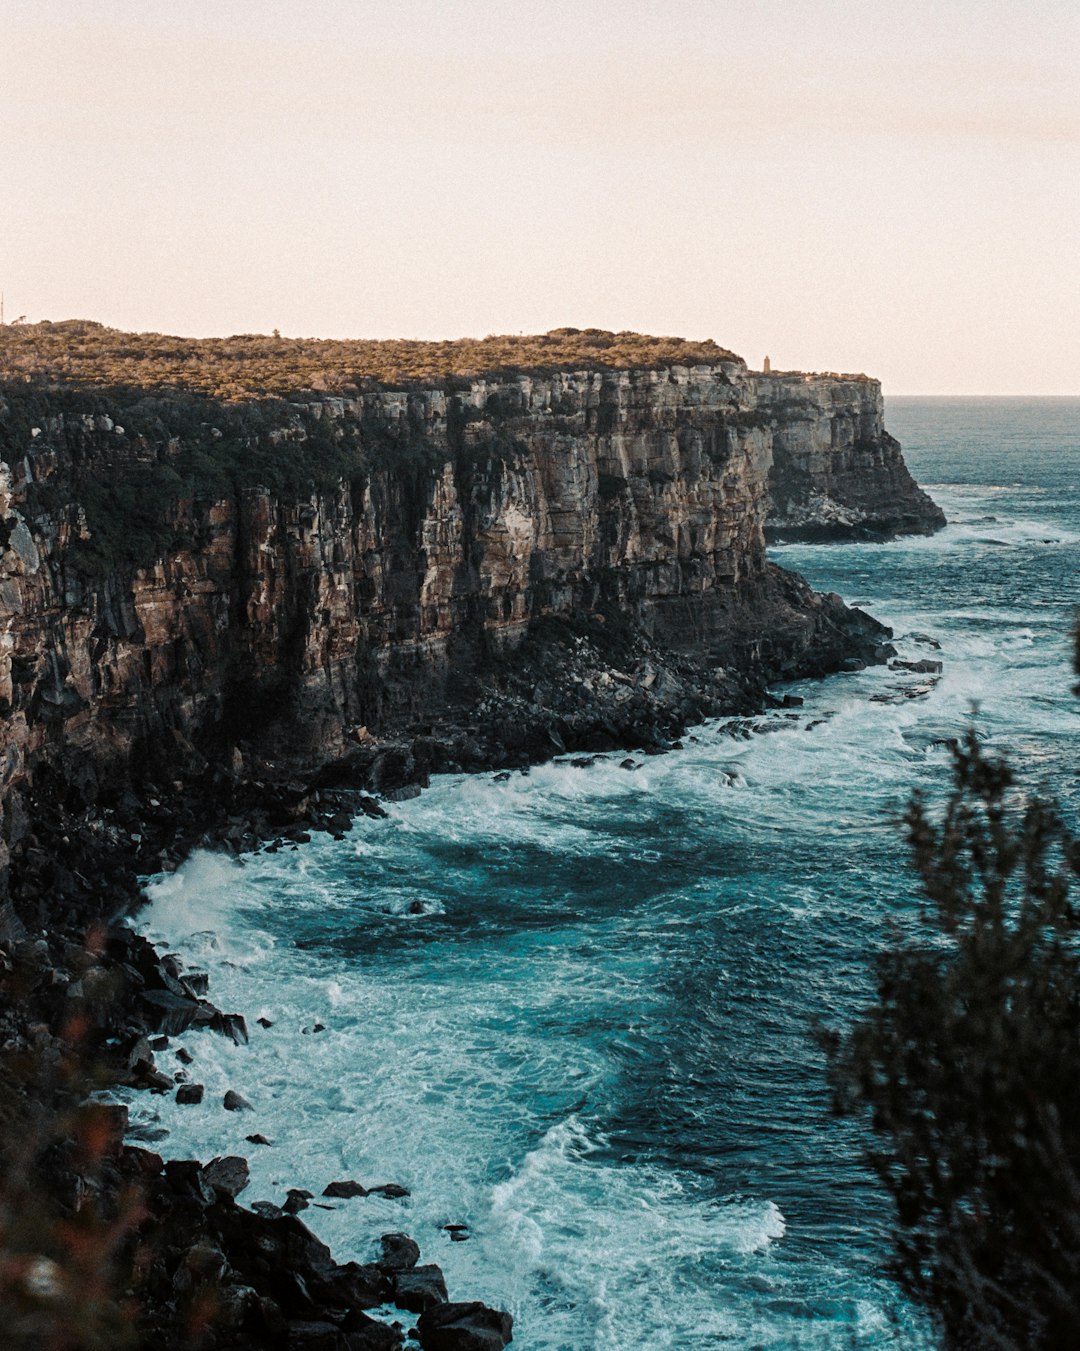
[146, 423]
[80, 353]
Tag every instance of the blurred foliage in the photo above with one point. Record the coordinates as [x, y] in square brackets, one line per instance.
[66, 1257]
[968, 1064]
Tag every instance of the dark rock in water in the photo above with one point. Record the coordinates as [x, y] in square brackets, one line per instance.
[257, 1140]
[792, 701]
[391, 1190]
[370, 807]
[419, 1288]
[295, 1201]
[228, 1175]
[503, 776]
[159, 1044]
[416, 908]
[184, 1056]
[233, 1102]
[345, 1189]
[465, 1327]
[852, 664]
[926, 640]
[264, 1023]
[924, 667]
[149, 1076]
[168, 1012]
[267, 1210]
[403, 794]
[190, 1094]
[628, 763]
[399, 1252]
[231, 1025]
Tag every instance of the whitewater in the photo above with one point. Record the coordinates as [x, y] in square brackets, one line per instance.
[573, 1010]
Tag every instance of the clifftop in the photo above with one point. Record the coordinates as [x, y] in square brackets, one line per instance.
[80, 353]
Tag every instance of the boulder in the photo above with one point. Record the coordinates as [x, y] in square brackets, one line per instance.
[367, 1334]
[399, 1252]
[419, 1288]
[393, 1191]
[344, 1189]
[168, 1012]
[186, 1178]
[464, 1327]
[188, 1094]
[228, 1175]
[923, 667]
[233, 1102]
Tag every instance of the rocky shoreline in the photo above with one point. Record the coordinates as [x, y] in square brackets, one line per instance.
[86, 990]
[228, 623]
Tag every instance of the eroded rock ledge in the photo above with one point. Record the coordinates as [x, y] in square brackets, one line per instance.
[837, 474]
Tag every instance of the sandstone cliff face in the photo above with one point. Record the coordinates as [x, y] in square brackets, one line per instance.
[479, 510]
[837, 473]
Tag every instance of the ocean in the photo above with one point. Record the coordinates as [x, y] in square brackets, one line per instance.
[573, 1011]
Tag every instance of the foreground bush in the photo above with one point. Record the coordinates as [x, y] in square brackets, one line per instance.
[968, 1065]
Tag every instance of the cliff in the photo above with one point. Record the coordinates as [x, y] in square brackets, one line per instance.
[532, 561]
[837, 473]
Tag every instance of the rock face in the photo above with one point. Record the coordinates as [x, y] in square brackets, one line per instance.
[476, 511]
[837, 473]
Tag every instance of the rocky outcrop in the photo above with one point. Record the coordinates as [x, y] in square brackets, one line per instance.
[837, 473]
[150, 627]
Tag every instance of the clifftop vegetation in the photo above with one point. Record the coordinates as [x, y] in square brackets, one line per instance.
[79, 353]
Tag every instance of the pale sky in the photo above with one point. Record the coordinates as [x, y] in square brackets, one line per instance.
[888, 186]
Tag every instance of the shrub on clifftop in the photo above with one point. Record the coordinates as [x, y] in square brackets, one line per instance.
[80, 353]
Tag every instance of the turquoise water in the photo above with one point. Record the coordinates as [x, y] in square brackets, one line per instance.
[593, 1045]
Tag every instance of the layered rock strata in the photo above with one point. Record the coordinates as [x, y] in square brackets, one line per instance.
[837, 474]
[468, 518]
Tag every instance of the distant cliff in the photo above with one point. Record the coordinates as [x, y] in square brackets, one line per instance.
[267, 585]
[836, 472]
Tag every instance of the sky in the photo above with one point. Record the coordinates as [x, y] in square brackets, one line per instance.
[890, 187]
